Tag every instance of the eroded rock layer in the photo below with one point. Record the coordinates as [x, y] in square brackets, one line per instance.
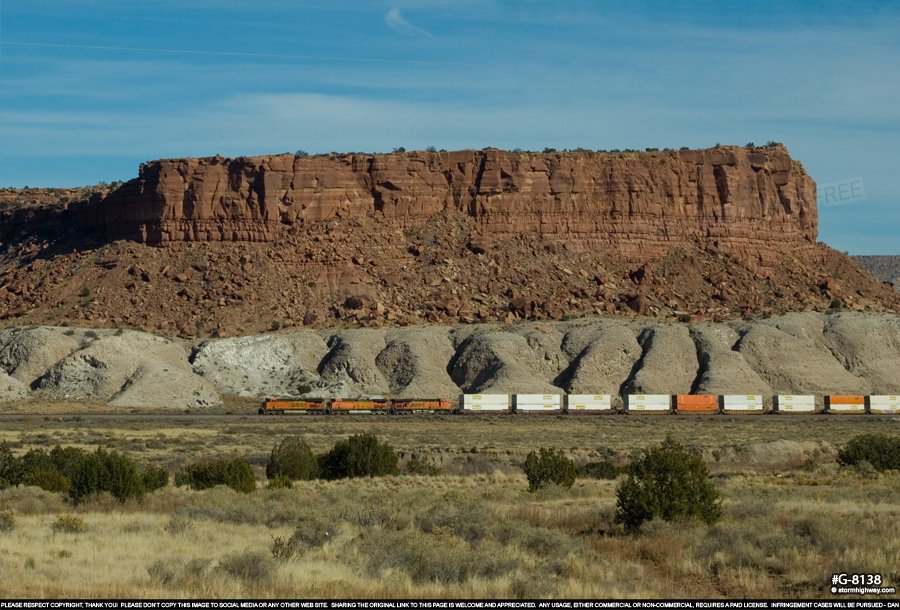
[814, 353]
[639, 203]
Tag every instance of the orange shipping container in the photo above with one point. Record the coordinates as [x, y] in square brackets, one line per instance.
[703, 403]
[847, 403]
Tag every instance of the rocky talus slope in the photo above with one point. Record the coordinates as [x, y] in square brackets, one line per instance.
[841, 352]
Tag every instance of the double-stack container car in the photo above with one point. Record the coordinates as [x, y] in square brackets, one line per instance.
[743, 403]
[484, 403]
[702, 404]
[648, 403]
[538, 403]
[589, 403]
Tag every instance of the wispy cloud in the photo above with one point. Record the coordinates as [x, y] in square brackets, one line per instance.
[403, 24]
[398, 23]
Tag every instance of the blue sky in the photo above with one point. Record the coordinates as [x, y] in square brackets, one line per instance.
[91, 88]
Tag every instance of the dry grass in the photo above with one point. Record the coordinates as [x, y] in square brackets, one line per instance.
[792, 518]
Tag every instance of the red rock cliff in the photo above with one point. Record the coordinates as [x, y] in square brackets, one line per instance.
[747, 200]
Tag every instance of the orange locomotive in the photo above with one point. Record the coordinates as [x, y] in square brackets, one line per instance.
[284, 404]
[363, 405]
[280, 405]
[420, 405]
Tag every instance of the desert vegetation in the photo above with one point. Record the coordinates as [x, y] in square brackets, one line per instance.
[670, 483]
[462, 521]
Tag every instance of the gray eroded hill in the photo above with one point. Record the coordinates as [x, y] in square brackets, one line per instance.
[809, 352]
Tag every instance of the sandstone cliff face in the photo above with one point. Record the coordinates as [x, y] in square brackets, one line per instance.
[638, 203]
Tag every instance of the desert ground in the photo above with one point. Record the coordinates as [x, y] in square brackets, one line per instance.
[792, 515]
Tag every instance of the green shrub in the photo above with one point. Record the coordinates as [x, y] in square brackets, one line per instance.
[47, 477]
[362, 455]
[292, 458]
[9, 466]
[109, 471]
[548, 466]
[235, 473]
[603, 469]
[667, 482]
[7, 521]
[67, 459]
[52, 472]
[420, 465]
[154, 477]
[879, 450]
[70, 524]
[73, 471]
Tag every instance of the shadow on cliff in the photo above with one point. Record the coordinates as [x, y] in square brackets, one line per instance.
[47, 232]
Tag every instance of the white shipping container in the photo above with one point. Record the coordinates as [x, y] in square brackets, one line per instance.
[844, 408]
[742, 402]
[588, 402]
[649, 402]
[884, 400]
[796, 403]
[538, 402]
[882, 403]
[485, 402]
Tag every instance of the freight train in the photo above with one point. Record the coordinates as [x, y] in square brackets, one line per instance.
[575, 404]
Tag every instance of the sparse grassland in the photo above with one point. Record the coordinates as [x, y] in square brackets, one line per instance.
[792, 516]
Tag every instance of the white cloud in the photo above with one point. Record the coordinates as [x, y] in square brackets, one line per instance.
[398, 23]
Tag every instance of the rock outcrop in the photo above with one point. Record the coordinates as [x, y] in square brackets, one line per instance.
[639, 203]
[123, 368]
